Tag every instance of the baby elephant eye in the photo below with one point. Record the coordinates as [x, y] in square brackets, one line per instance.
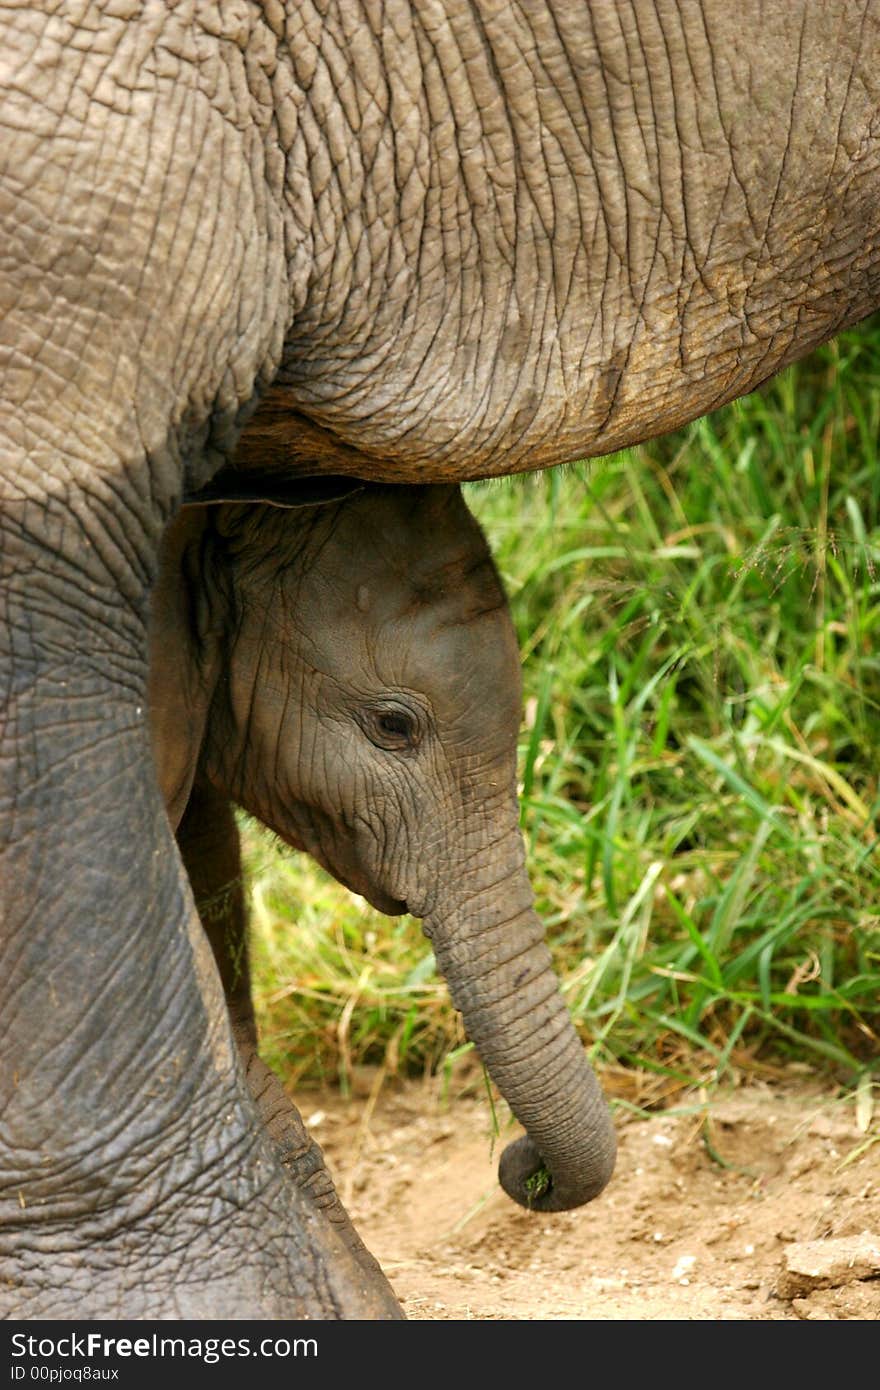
[395, 724]
[394, 729]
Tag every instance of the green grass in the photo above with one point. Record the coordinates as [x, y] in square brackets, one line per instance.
[699, 761]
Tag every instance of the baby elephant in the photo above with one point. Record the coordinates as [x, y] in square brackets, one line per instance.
[349, 674]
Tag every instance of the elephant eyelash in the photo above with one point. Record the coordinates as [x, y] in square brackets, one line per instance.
[395, 724]
[392, 728]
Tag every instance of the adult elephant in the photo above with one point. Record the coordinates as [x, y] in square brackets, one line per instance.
[439, 239]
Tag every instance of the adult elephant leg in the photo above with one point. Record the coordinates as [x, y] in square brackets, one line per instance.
[134, 1179]
[210, 847]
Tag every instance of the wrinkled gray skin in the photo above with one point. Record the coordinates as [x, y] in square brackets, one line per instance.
[350, 675]
[440, 239]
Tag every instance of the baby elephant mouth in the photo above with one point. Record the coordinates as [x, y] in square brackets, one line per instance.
[391, 907]
[357, 882]
[357, 879]
[352, 877]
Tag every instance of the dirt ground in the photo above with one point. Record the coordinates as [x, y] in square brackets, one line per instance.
[760, 1203]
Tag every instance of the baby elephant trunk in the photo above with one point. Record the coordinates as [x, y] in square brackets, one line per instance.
[500, 976]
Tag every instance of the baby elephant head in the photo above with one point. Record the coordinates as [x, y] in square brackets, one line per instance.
[365, 705]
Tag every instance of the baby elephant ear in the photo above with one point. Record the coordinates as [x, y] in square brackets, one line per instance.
[272, 490]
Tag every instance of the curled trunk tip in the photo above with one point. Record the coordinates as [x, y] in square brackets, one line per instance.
[528, 1179]
[501, 978]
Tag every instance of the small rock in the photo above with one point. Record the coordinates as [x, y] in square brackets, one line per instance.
[806, 1310]
[832, 1127]
[825, 1264]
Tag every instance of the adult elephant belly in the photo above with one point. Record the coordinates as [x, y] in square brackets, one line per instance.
[627, 216]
